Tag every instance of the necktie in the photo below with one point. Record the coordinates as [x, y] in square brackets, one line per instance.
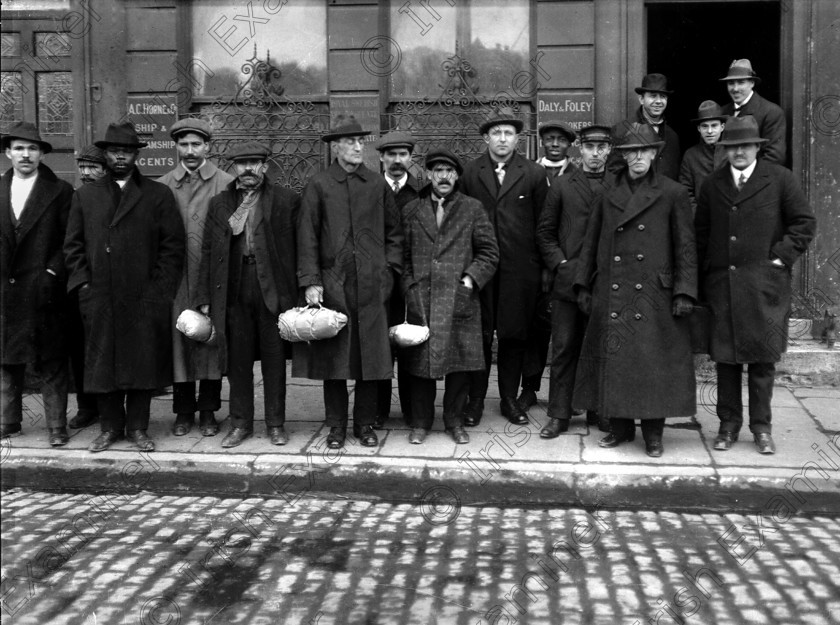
[396, 187]
[737, 111]
[240, 216]
[742, 181]
[500, 173]
[439, 212]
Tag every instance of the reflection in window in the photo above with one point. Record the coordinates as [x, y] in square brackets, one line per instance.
[55, 103]
[292, 35]
[499, 43]
[426, 38]
[11, 99]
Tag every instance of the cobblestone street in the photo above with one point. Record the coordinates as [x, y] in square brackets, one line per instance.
[151, 560]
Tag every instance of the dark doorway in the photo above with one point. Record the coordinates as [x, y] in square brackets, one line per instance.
[693, 43]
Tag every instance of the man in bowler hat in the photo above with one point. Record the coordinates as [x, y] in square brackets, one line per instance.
[702, 159]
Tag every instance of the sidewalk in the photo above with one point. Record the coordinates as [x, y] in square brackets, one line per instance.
[502, 464]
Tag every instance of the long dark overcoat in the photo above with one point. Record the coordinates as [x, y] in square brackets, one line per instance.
[350, 241]
[698, 162]
[33, 300]
[639, 252]
[128, 246]
[435, 261]
[738, 235]
[771, 126]
[510, 299]
[275, 220]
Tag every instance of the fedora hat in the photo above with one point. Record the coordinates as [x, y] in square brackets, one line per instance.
[501, 116]
[740, 130]
[553, 124]
[741, 69]
[657, 83]
[595, 133]
[121, 134]
[707, 111]
[345, 126]
[397, 139]
[442, 155]
[28, 132]
[639, 136]
[191, 124]
[91, 154]
[248, 150]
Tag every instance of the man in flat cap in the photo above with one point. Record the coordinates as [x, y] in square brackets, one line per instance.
[450, 253]
[91, 164]
[124, 252]
[555, 140]
[246, 279]
[560, 236]
[395, 150]
[34, 205]
[350, 247]
[753, 222]
[702, 159]
[741, 81]
[194, 182]
[512, 190]
[653, 100]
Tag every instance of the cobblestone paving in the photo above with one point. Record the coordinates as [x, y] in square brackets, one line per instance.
[148, 560]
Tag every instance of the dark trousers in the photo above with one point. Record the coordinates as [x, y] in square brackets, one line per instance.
[383, 400]
[509, 363]
[252, 335]
[337, 401]
[423, 392]
[76, 344]
[54, 382]
[730, 410]
[536, 353]
[209, 396]
[567, 327]
[651, 428]
[124, 410]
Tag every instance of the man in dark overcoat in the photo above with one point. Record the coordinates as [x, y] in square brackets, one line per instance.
[560, 234]
[707, 155]
[450, 254]
[512, 190]
[350, 246]
[637, 278]
[753, 222]
[740, 83]
[395, 151]
[34, 205]
[246, 279]
[124, 252]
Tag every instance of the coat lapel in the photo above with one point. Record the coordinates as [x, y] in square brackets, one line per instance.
[130, 195]
[646, 194]
[513, 173]
[6, 227]
[488, 176]
[580, 184]
[43, 193]
[756, 183]
[426, 217]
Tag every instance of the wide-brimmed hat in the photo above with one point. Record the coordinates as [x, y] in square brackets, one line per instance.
[501, 116]
[708, 111]
[556, 124]
[396, 139]
[657, 83]
[595, 132]
[639, 136]
[741, 69]
[123, 134]
[442, 155]
[91, 154]
[26, 131]
[345, 127]
[191, 124]
[740, 130]
[248, 150]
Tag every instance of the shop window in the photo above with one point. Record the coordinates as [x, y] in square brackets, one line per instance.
[11, 99]
[55, 103]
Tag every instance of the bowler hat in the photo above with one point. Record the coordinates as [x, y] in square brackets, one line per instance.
[639, 136]
[248, 150]
[551, 124]
[708, 111]
[91, 154]
[741, 69]
[656, 83]
[595, 133]
[442, 155]
[345, 127]
[191, 124]
[395, 139]
[28, 132]
[501, 116]
[740, 130]
[121, 134]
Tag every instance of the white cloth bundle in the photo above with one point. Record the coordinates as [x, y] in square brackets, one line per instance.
[310, 323]
[196, 326]
[408, 334]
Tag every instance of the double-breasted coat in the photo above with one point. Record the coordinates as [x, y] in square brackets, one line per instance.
[771, 126]
[698, 162]
[638, 253]
[192, 360]
[350, 242]
[128, 247]
[739, 233]
[435, 261]
[513, 209]
[33, 300]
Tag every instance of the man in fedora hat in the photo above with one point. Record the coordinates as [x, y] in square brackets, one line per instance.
[34, 204]
[741, 81]
[246, 279]
[350, 246]
[395, 151]
[637, 281]
[653, 100]
[124, 252]
[512, 190]
[701, 159]
[753, 222]
[194, 182]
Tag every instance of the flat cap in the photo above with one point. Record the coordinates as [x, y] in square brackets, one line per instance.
[595, 133]
[556, 124]
[397, 139]
[191, 124]
[442, 155]
[91, 154]
[248, 150]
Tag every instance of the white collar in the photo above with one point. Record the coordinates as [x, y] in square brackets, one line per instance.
[400, 181]
[749, 97]
[736, 173]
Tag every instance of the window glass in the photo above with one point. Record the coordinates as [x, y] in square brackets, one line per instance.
[55, 103]
[425, 36]
[11, 99]
[9, 44]
[35, 5]
[498, 42]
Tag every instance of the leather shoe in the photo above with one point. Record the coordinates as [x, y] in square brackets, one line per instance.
[473, 412]
[82, 420]
[764, 443]
[459, 435]
[654, 448]
[183, 423]
[335, 439]
[207, 423]
[367, 437]
[141, 440]
[526, 399]
[554, 428]
[379, 422]
[724, 440]
[7, 429]
[236, 436]
[417, 436]
[105, 440]
[614, 440]
[58, 436]
[277, 435]
[513, 412]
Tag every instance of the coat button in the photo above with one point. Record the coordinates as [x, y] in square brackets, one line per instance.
[734, 208]
[219, 285]
[615, 287]
[638, 287]
[11, 280]
[641, 226]
[621, 228]
[733, 238]
[221, 258]
[638, 316]
[731, 267]
[614, 315]
[108, 249]
[617, 259]
[640, 257]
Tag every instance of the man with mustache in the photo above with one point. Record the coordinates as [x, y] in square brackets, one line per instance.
[91, 164]
[702, 159]
[34, 205]
[194, 182]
